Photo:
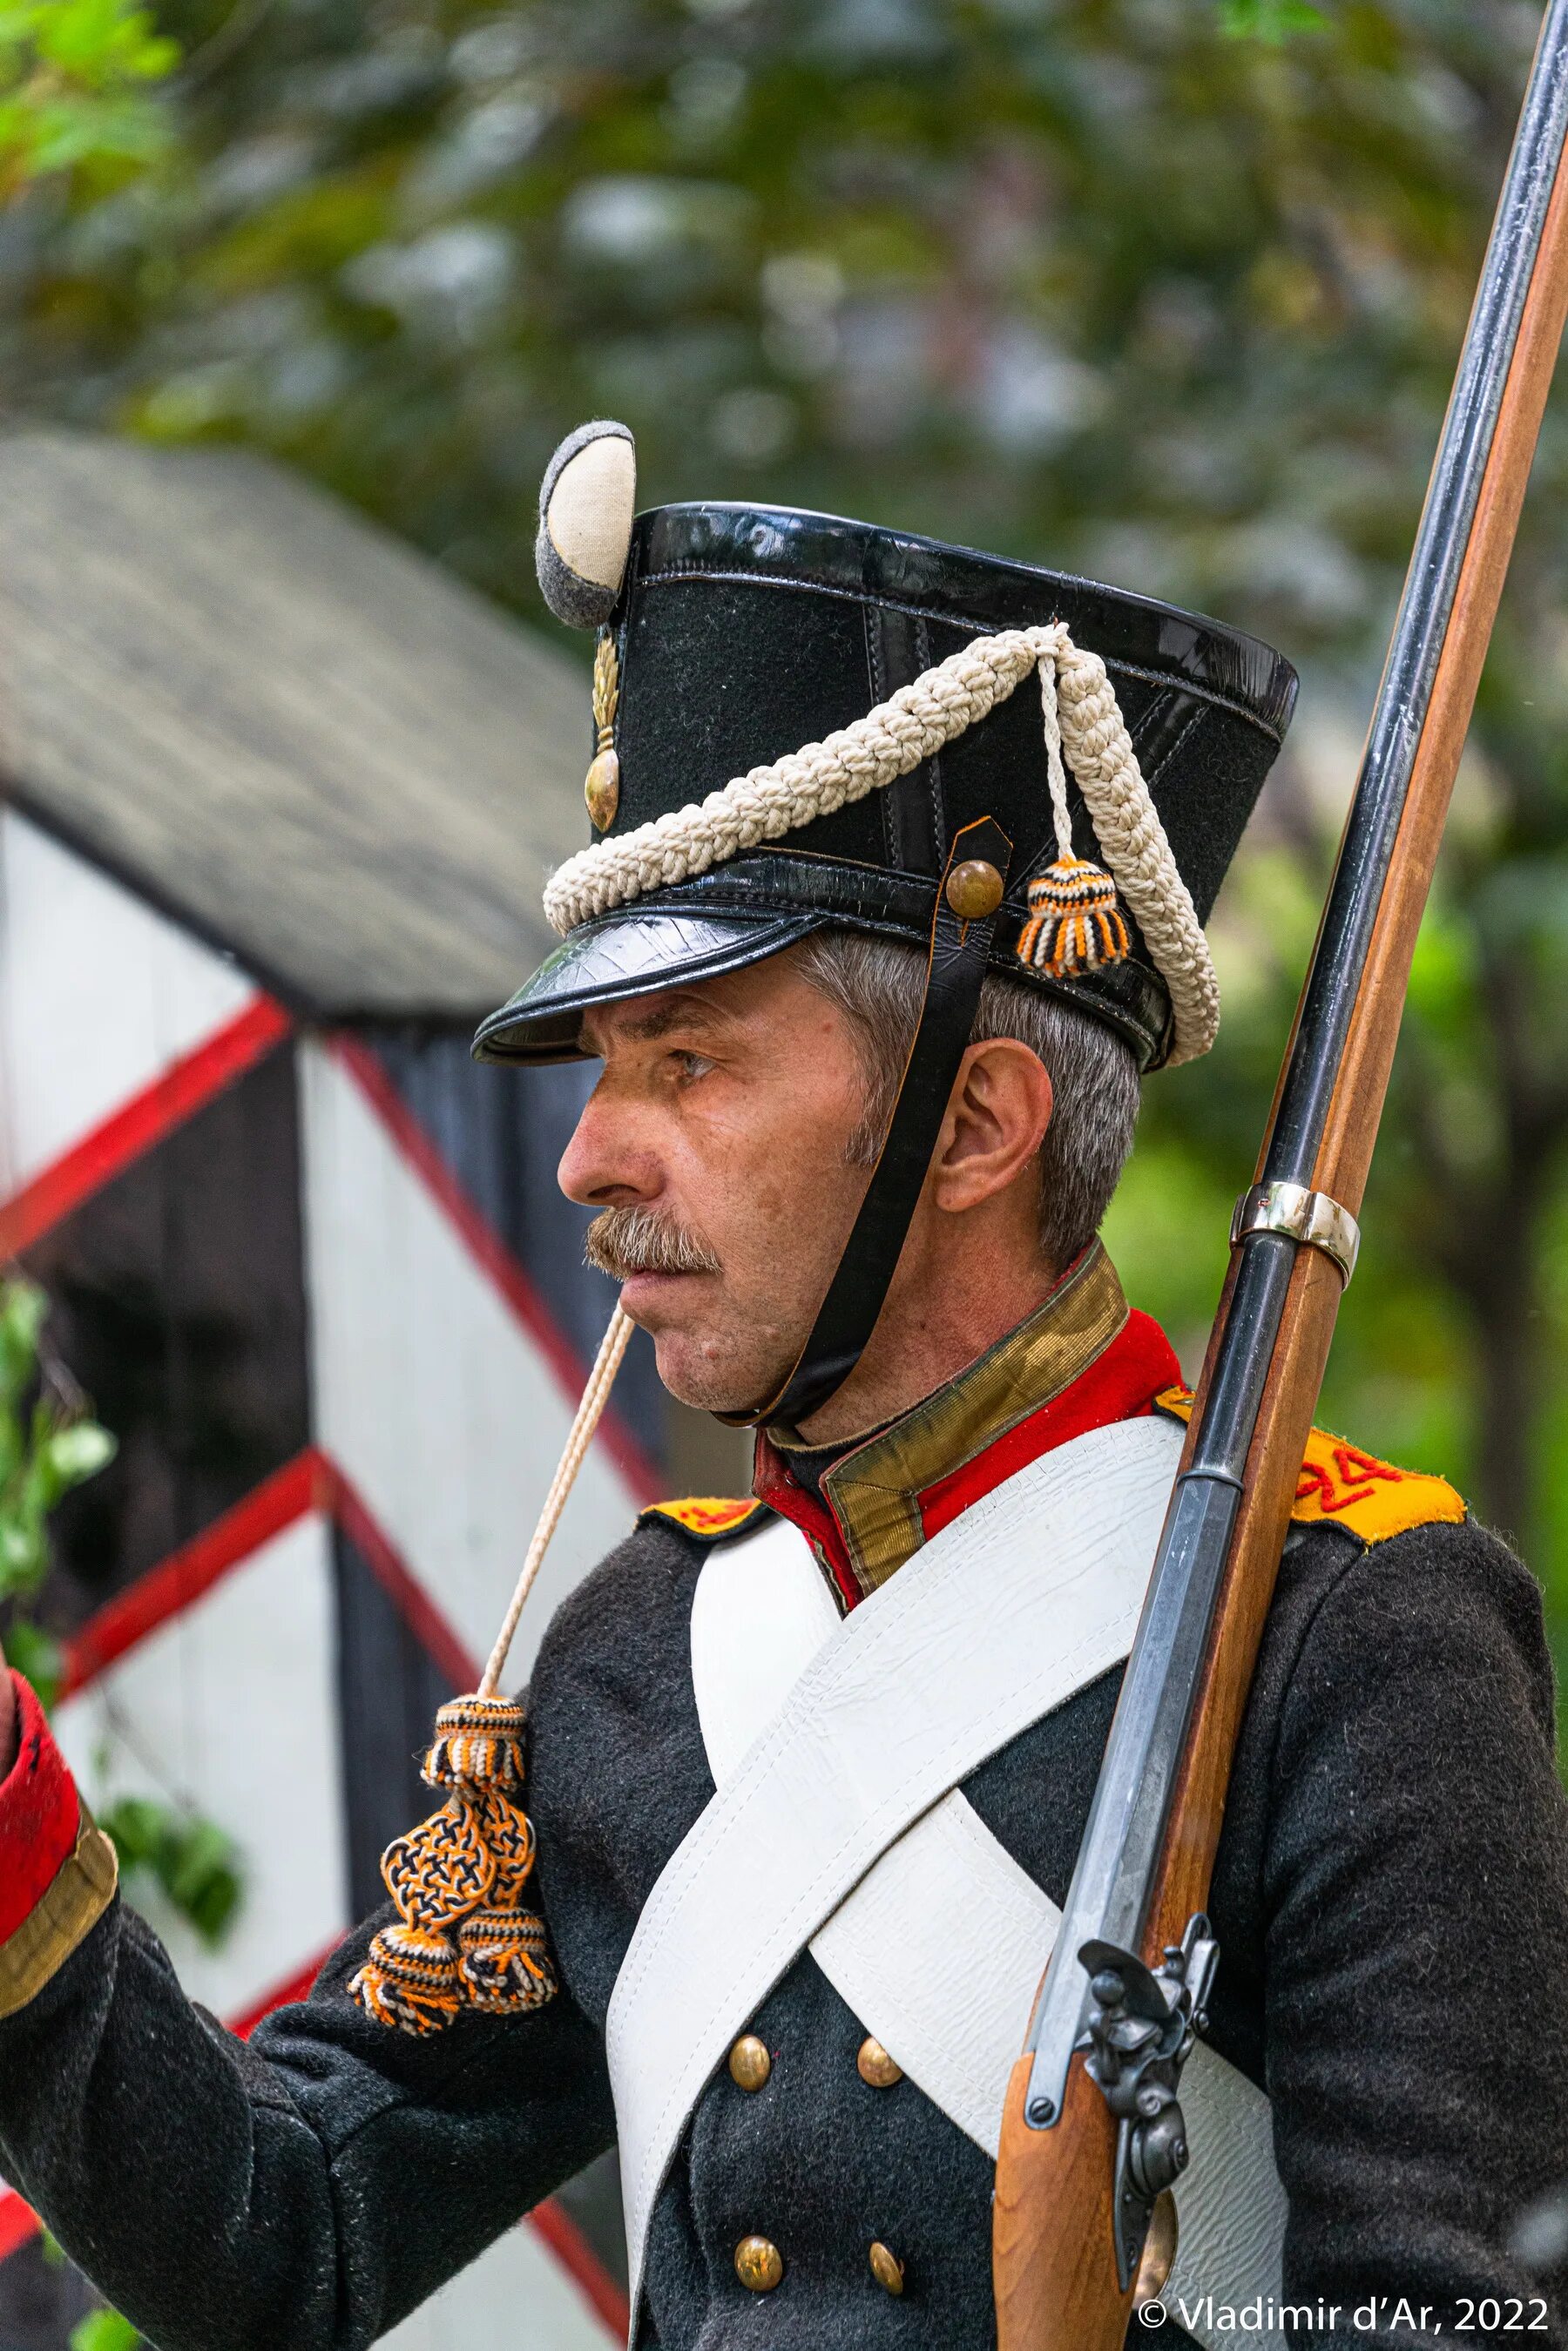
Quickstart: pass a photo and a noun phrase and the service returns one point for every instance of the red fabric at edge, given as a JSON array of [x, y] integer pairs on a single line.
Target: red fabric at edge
[[771, 1483], [40, 1814], [1120, 1384]]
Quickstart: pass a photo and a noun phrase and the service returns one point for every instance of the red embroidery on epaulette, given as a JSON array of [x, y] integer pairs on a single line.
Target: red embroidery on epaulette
[[1357, 1471]]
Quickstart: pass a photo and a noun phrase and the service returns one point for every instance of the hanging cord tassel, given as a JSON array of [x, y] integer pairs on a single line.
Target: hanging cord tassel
[[1075, 921], [462, 1938]]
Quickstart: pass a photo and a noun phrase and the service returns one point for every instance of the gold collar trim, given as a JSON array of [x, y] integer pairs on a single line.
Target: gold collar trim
[[874, 1490]]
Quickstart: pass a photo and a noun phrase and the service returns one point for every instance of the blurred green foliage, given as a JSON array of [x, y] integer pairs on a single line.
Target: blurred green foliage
[[191, 1861], [50, 1443], [74, 77], [1168, 291], [46, 1445], [104, 2330], [1273, 21]]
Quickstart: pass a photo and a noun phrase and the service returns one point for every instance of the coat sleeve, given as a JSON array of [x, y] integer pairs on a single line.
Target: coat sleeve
[[1416, 1934], [307, 2188]]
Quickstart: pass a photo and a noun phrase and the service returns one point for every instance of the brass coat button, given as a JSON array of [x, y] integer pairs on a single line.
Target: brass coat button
[[874, 2065], [749, 2063], [974, 890], [886, 2268], [760, 2265]]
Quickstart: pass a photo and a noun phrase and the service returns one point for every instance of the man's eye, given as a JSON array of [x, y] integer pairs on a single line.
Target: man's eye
[[691, 1065]]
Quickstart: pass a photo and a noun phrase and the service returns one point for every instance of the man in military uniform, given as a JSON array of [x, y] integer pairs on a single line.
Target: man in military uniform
[[873, 973]]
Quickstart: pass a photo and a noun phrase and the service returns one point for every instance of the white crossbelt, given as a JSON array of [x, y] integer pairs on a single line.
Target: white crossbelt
[[940, 1949], [837, 1749]]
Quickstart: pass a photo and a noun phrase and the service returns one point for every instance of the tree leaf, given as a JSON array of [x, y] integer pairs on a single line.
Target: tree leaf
[[79, 1451], [1269, 21], [104, 2330], [136, 1826], [37, 1655]]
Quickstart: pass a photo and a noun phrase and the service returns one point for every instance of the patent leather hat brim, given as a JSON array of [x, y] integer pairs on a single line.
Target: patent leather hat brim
[[756, 906], [637, 951]]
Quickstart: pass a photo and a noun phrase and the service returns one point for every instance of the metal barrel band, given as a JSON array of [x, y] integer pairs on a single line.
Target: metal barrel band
[[1314, 1218]]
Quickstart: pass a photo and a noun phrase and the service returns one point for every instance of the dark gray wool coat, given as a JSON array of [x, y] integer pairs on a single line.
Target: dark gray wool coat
[[1391, 1904]]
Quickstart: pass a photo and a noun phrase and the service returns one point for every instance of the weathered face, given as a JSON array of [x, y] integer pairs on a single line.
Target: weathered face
[[717, 1139]]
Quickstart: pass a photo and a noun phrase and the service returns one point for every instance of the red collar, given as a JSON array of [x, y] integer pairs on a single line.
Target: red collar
[[883, 1498]]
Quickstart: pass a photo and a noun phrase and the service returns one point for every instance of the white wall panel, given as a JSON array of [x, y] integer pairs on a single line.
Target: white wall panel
[[231, 1707], [98, 995], [428, 1392], [516, 2297]]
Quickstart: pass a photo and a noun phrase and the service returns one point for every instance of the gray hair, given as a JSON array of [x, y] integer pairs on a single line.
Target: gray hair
[[876, 985]]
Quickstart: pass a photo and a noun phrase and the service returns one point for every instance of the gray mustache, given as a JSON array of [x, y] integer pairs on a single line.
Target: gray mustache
[[624, 1242]]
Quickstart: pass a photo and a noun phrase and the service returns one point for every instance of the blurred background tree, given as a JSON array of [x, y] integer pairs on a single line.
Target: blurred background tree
[[1164, 290]]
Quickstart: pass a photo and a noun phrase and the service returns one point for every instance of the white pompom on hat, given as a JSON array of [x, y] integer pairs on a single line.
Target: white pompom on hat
[[587, 500]]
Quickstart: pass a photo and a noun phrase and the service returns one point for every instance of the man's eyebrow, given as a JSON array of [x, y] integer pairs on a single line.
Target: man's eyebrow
[[675, 1012]]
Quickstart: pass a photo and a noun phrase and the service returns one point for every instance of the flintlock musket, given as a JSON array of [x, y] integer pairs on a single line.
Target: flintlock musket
[[1077, 2182]]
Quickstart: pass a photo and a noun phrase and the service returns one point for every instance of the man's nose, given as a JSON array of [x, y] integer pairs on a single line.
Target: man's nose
[[607, 1164]]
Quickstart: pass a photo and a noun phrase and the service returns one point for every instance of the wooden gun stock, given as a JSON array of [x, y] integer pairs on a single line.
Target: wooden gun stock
[[1056, 2286], [1054, 2263]]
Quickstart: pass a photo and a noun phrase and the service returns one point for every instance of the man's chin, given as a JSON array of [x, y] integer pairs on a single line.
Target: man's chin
[[710, 1379]]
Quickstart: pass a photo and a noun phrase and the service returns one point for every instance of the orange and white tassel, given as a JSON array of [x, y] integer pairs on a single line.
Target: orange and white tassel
[[1075, 921], [463, 1939]]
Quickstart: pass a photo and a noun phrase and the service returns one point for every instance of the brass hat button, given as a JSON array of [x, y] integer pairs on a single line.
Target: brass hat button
[[759, 2264], [749, 2063], [874, 2064], [974, 890], [602, 789], [886, 2268]]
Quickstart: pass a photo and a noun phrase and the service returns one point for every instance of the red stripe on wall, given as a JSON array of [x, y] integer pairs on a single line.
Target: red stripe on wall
[[304, 1484], [408, 1596], [571, 2249], [141, 1122], [495, 1259], [309, 1482]]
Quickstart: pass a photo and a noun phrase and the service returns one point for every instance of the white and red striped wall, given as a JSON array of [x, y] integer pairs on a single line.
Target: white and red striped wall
[[322, 1287]]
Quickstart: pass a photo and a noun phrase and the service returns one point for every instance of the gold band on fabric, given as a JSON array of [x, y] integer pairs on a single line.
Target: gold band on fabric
[[80, 1893], [876, 1491]]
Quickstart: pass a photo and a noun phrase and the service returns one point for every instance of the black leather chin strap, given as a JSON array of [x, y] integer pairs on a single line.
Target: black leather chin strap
[[955, 966]]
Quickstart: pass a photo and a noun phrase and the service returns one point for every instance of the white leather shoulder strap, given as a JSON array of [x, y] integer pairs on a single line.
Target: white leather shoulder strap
[[909, 1695], [939, 1948], [760, 1612]]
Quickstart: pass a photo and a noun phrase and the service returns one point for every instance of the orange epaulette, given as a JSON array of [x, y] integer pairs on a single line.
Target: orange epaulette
[[1346, 1488], [707, 1518]]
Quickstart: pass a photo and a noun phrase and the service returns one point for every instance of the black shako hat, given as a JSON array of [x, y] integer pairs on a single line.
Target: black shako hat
[[801, 722]]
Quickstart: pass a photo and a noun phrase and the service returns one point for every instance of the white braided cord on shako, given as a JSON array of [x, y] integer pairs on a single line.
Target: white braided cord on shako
[[912, 725]]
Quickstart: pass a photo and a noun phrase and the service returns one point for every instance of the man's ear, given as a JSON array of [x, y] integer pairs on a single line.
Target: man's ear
[[996, 1117]]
